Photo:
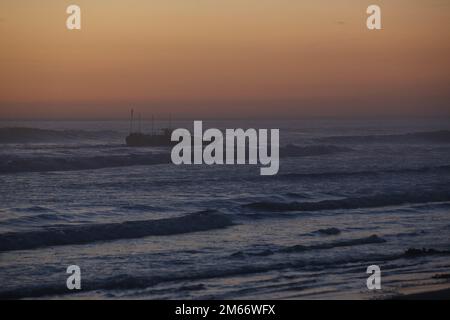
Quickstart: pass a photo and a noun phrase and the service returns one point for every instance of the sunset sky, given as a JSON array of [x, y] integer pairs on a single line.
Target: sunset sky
[[223, 58]]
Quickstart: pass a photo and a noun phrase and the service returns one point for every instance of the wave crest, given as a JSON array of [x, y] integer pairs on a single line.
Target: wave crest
[[81, 234], [373, 239]]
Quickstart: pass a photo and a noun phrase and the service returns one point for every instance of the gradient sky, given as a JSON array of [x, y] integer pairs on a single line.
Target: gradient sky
[[223, 58]]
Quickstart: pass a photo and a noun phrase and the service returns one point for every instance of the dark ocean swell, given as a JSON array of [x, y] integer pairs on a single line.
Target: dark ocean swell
[[13, 164], [381, 200], [292, 150], [445, 169], [82, 234], [35, 135], [440, 136], [47, 164]]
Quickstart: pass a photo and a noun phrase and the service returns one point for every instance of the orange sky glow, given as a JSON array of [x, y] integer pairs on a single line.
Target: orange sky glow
[[223, 58]]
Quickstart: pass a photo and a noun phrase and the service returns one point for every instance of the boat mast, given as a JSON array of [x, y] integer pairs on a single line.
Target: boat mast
[[131, 121], [139, 123]]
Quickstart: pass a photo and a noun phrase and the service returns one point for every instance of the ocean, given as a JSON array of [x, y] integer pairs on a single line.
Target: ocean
[[349, 194]]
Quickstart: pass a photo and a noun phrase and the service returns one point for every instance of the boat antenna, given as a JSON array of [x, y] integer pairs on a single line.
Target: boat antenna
[[131, 121]]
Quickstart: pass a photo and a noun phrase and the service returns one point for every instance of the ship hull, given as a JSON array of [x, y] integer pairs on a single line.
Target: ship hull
[[144, 140]]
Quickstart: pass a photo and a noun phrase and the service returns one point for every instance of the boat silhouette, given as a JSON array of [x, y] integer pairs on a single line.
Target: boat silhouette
[[161, 138]]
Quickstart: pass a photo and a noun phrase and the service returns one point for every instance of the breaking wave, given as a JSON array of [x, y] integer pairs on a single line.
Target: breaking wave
[[441, 136], [374, 239], [381, 200], [33, 209], [416, 253], [81, 234], [362, 173], [39, 218], [292, 150]]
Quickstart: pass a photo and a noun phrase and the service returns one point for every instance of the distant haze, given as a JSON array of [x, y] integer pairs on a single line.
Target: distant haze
[[224, 59]]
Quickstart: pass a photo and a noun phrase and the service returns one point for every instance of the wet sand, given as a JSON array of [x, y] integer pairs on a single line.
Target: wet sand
[[442, 294]]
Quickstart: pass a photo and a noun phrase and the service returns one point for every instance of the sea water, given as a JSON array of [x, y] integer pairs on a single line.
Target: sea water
[[349, 194]]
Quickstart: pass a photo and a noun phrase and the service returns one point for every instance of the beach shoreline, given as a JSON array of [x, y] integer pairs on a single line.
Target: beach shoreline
[[432, 293]]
